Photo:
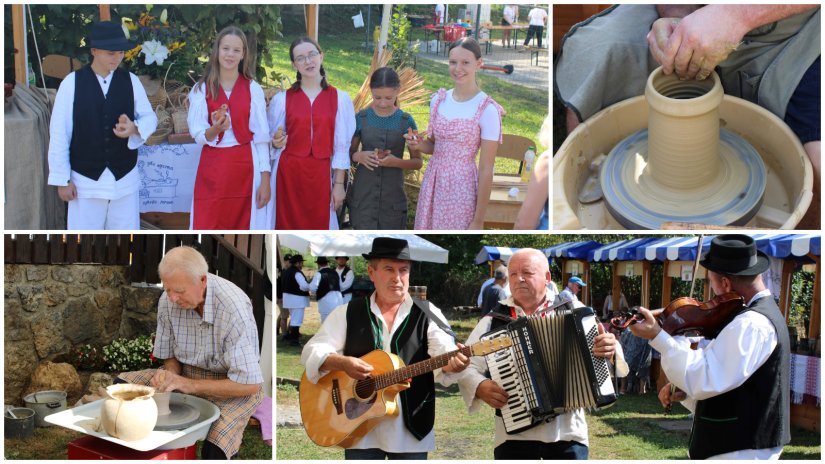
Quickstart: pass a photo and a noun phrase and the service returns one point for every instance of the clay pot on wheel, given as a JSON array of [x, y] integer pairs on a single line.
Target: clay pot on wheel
[[129, 413]]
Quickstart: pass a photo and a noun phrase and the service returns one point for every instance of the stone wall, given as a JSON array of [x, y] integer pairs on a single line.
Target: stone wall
[[49, 309]]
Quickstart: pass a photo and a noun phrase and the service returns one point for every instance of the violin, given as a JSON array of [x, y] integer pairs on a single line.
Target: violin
[[688, 315]]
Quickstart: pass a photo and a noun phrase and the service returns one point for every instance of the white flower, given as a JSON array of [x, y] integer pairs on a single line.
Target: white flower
[[155, 52]]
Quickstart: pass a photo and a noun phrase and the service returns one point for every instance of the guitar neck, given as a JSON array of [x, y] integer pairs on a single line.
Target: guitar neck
[[419, 368]]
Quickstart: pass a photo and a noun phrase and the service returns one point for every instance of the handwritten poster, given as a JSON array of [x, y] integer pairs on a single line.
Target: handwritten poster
[[167, 177]]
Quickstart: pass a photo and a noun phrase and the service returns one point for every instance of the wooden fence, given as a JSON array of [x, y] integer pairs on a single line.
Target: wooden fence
[[239, 258]]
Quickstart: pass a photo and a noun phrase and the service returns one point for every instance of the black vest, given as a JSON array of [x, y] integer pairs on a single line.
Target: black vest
[[409, 344], [756, 415], [329, 283], [343, 276], [94, 145], [290, 284]]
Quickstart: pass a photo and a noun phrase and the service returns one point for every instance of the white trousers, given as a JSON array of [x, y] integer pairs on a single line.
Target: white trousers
[[100, 214], [296, 317]]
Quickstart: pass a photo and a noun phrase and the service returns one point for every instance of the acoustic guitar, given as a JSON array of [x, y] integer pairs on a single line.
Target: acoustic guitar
[[340, 410]]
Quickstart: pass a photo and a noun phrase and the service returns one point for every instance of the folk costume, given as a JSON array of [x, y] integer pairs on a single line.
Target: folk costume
[[83, 148], [327, 287], [229, 172], [347, 276], [376, 197], [447, 199], [319, 136]]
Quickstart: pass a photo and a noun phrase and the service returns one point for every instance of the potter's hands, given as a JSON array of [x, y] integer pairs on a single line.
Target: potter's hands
[[457, 363], [491, 393], [166, 381], [67, 192], [693, 46], [649, 328], [604, 345]]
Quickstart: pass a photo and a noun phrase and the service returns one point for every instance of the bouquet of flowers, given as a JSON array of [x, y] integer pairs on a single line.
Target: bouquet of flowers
[[159, 45]]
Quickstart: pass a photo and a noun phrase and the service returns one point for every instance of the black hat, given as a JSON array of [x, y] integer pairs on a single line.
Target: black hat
[[341, 256], [107, 35], [287, 257], [735, 255], [321, 261], [390, 248], [296, 259]]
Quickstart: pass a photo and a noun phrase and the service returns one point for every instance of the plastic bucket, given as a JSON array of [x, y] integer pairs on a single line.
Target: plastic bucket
[[18, 422], [44, 403]]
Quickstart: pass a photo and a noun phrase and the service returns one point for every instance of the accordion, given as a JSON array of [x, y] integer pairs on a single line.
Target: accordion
[[550, 369]]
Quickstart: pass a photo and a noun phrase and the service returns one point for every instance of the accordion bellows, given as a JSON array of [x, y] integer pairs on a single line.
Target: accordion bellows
[[550, 369]]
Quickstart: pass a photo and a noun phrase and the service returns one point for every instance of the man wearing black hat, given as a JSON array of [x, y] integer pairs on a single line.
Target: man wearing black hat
[[392, 321], [738, 385], [346, 275], [296, 298], [327, 288], [283, 314], [101, 116]]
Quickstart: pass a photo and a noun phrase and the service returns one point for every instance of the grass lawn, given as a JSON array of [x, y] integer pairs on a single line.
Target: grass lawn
[[630, 429]]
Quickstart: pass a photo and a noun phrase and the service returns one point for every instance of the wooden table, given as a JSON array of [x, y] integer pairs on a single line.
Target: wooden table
[[437, 31], [513, 27], [502, 208]]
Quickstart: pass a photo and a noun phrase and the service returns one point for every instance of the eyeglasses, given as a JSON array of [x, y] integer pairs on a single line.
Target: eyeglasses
[[303, 59]]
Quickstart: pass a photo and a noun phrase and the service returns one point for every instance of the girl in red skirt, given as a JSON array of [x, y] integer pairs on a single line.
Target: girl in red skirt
[[227, 115], [312, 125]]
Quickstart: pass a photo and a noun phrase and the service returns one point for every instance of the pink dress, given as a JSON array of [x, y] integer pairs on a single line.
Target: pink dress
[[447, 199]]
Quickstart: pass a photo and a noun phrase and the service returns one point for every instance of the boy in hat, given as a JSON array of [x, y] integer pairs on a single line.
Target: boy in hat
[[392, 321], [327, 287], [101, 116], [346, 275], [296, 298], [283, 314], [738, 385]]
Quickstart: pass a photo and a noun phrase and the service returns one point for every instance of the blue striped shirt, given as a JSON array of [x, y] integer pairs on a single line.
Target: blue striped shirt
[[224, 341]]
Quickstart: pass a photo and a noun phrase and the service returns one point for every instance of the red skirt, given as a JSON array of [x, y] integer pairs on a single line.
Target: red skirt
[[223, 188], [302, 193]]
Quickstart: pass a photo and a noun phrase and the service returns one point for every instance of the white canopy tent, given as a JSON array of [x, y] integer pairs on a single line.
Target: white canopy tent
[[339, 244]]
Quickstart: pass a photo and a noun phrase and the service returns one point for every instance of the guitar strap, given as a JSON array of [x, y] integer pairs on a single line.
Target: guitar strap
[[424, 306]]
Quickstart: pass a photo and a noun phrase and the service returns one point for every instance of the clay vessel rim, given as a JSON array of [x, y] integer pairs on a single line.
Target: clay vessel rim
[[709, 101], [142, 392]]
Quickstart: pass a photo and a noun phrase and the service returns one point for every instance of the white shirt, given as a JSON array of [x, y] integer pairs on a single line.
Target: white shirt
[[389, 435], [724, 364], [349, 279], [60, 134], [490, 122], [439, 11], [331, 300], [297, 301], [342, 139], [509, 14], [569, 426], [537, 17], [198, 121]]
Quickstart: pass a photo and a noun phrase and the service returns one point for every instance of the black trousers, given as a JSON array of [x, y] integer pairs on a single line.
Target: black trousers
[[529, 449], [538, 31]]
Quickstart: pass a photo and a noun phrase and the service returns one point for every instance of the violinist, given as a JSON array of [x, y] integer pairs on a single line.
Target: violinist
[[737, 385]]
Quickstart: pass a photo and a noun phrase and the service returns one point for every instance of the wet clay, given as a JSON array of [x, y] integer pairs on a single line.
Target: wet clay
[[788, 184]]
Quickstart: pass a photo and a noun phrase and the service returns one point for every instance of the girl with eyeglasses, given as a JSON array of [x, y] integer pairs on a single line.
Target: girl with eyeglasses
[[227, 116], [311, 125], [464, 121]]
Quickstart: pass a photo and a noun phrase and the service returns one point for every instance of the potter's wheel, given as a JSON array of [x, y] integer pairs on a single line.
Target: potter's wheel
[[181, 416], [732, 195]]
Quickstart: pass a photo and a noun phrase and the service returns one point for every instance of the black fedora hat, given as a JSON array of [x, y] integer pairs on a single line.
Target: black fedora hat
[[107, 35], [296, 259], [321, 261], [735, 255], [390, 248]]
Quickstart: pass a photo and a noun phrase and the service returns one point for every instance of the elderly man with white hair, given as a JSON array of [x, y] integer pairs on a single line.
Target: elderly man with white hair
[[208, 341], [565, 436]]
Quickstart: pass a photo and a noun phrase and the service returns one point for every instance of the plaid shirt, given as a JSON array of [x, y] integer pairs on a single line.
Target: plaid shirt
[[225, 341]]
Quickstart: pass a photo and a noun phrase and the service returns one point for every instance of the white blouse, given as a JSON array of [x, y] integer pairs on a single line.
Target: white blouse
[[489, 122]]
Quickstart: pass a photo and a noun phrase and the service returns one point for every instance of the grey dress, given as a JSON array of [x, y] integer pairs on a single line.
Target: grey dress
[[376, 198]]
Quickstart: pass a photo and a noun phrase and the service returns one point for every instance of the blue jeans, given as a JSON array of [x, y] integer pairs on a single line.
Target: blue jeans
[[528, 449], [375, 453]]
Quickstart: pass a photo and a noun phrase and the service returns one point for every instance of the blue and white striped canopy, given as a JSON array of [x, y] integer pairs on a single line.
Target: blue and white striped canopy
[[775, 245], [788, 245], [673, 249], [623, 250], [492, 253], [571, 250]]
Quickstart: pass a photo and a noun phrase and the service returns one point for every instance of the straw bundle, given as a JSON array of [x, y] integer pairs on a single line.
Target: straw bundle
[[412, 85]]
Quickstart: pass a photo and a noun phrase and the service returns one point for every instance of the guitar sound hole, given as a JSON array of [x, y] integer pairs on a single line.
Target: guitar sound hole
[[364, 389]]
